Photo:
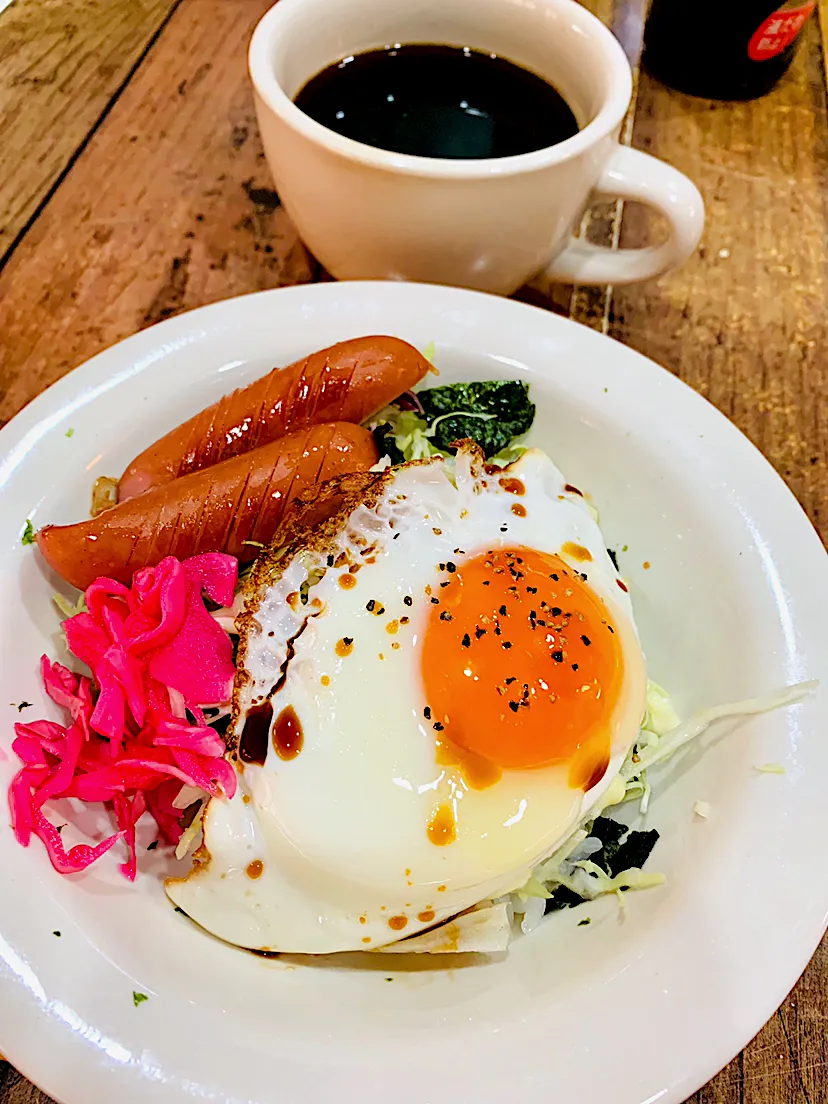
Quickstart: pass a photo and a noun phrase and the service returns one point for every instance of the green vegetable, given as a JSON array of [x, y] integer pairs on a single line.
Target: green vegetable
[[622, 849], [492, 413], [67, 608], [28, 533], [139, 998], [429, 352], [70, 432]]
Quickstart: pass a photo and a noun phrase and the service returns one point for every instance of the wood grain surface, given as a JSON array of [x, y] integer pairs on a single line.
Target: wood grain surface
[[160, 200], [62, 66]]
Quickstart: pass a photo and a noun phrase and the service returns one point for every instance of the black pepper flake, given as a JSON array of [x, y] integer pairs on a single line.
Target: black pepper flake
[[437, 726], [531, 590], [459, 552], [509, 681], [574, 666], [503, 529], [497, 630], [586, 640], [408, 600], [445, 584], [330, 561], [445, 616], [502, 611], [370, 605], [435, 601], [554, 577], [506, 644], [466, 641], [541, 622], [396, 535], [611, 629], [442, 566], [556, 611], [487, 582], [478, 632], [513, 706], [557, 656], [347, 641], [380, 611], [404, 620], [450, 567], [152, 846], [427, 712]]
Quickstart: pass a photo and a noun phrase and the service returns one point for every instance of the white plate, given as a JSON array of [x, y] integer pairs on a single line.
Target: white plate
[[632, 1010]]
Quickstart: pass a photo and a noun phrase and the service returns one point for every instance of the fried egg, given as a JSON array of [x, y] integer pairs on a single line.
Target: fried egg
[[439, 675]]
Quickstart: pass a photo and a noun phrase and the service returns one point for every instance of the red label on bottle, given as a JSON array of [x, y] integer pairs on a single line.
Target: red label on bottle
[[778, 31]]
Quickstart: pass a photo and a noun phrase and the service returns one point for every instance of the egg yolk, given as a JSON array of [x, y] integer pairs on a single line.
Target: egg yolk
[[521, 663]]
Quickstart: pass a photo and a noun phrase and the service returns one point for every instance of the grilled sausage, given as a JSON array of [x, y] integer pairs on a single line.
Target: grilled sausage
[[348, 382], [219, 509]]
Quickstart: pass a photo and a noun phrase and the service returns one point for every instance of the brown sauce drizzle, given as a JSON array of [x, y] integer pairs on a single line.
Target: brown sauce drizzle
[[573, 490], [287, 735], [576, 552], [255, 869], [442, 827], [253, 742], [512, 485]]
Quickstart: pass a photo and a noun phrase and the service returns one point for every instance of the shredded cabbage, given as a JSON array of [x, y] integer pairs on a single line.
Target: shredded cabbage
[[660, 738]]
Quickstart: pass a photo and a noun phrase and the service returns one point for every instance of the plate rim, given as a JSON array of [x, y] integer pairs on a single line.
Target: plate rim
[[79, 387]]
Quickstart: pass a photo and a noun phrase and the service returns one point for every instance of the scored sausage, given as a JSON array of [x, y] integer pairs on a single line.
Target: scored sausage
[[219, 509], [348, 382]]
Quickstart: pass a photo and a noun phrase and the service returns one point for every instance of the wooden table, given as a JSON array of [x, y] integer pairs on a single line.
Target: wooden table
[[133, 186]]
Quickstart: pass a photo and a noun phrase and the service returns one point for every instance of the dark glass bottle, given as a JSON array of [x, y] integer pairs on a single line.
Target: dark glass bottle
[[727, 50]]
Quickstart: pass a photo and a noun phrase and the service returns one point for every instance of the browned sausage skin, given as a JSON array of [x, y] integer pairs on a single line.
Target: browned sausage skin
[[219, 509], [348, 382]]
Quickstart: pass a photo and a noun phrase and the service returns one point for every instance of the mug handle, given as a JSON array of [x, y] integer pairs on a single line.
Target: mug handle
[[631, 174]]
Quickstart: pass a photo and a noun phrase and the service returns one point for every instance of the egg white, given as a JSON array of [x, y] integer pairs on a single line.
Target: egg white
[[339, 832]]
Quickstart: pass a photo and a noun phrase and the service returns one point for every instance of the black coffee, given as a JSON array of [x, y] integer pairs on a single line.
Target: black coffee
[[438, 101]]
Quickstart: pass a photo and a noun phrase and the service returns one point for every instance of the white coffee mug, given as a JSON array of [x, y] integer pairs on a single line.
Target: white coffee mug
[[491, 224]]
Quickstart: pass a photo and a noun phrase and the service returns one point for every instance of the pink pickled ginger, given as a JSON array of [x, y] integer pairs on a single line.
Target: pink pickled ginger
[[136, 732]]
